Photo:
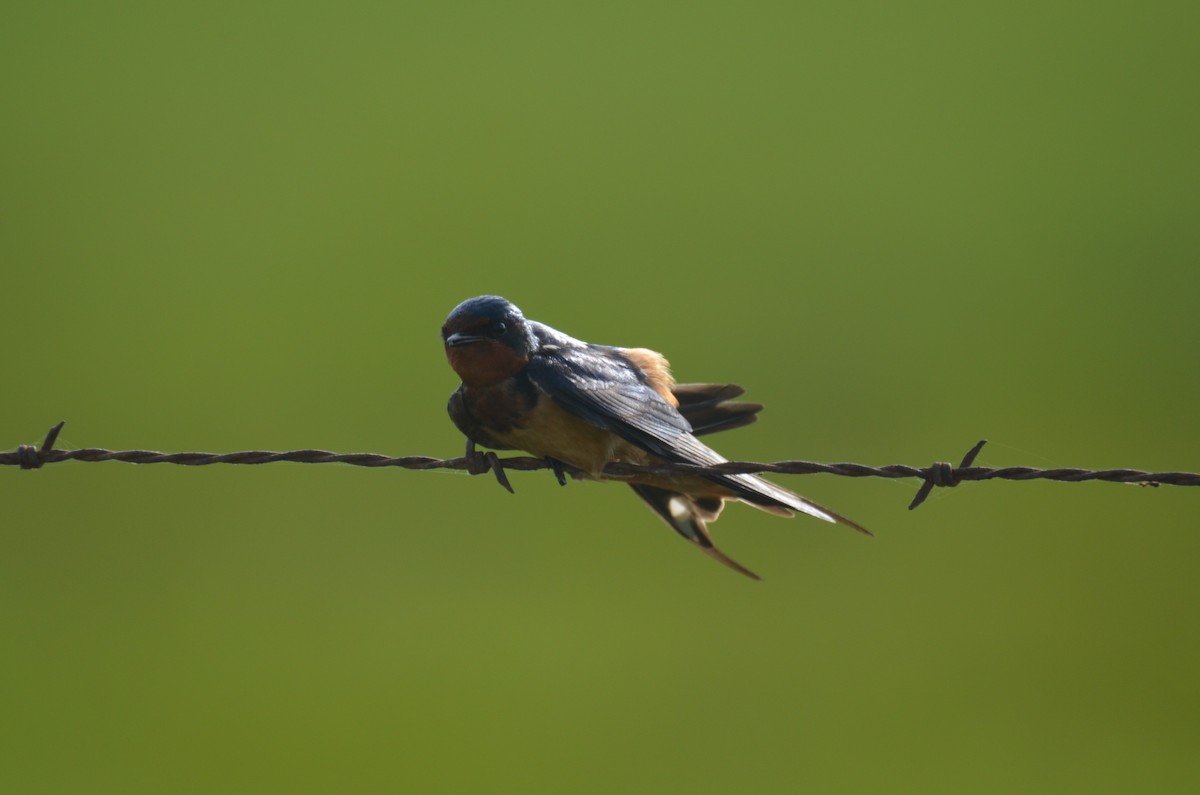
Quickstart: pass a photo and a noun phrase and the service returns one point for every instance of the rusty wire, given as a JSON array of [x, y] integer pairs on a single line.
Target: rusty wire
[[939, 474]]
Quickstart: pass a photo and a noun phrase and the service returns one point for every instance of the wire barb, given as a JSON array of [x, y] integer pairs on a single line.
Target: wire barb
[[939, 474], [942, 474], [30, 457]]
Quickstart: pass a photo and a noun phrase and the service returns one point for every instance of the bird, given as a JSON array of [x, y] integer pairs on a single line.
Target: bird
[[527, 386]]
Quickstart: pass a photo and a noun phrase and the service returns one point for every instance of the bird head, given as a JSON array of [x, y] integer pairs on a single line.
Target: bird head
[[487, 340]]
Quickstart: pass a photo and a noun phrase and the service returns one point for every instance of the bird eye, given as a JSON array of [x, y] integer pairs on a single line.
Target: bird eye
[[498, 329]]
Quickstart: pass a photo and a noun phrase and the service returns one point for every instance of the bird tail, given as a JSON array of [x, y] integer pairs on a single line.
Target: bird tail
[[710, 408], [766, 496], [688, 516]]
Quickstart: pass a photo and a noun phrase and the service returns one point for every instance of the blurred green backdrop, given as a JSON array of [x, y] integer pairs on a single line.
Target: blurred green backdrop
[[902, 226]]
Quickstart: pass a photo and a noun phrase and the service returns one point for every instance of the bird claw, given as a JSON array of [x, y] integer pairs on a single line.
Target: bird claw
[[478, 463], [559, 471]]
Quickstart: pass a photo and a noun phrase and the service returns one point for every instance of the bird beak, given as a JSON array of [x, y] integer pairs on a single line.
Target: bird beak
[[462, 338]]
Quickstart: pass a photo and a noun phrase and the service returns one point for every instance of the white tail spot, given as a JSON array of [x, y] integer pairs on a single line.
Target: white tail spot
[[679, 508]]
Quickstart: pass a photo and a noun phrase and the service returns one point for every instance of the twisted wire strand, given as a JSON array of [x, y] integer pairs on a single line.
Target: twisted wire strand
[[940, 474]]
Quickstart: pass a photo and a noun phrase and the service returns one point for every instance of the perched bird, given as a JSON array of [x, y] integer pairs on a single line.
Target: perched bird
[[526, 386]]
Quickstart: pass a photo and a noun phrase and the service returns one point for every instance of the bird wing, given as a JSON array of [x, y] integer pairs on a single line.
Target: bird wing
[[602, 387], [466, 422]]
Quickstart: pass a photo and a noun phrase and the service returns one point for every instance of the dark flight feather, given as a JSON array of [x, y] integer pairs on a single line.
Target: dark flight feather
[[709, 408]]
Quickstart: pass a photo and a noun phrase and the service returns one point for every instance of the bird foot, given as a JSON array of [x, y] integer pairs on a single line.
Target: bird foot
[[479, 462], [559, 471]]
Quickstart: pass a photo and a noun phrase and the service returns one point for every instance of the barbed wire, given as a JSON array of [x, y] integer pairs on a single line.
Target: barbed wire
[[940, 473]]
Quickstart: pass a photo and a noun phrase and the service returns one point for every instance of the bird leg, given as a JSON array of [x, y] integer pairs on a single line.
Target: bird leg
[[478, 463]]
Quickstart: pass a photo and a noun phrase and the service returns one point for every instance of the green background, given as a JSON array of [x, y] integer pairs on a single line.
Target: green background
[[903, 226]]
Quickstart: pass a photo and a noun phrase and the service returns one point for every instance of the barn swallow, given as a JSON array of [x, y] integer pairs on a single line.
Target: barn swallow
[[526, 386]]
